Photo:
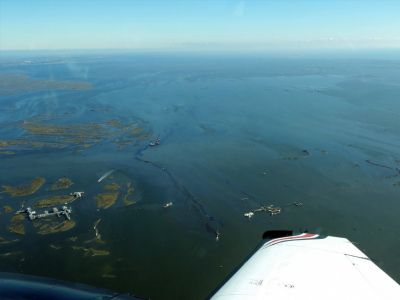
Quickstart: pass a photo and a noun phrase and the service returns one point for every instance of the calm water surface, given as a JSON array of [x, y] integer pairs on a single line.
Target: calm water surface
[[236, 133]]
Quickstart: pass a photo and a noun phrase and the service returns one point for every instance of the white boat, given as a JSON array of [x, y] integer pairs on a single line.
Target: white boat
[[155, 143]]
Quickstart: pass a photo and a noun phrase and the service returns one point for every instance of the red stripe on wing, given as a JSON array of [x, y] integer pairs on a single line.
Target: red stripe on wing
[[303, 236]]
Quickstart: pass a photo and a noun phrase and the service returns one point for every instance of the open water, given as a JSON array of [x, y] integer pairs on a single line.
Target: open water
[[237, 132]]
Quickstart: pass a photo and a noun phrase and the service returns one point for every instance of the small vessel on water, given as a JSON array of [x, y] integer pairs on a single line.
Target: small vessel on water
[[249, 214], [77, 194], [28, 211], [166, 205], [155, 143]]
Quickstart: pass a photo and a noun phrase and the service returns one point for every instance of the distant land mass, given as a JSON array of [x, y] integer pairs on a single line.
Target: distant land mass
[[20, 83]]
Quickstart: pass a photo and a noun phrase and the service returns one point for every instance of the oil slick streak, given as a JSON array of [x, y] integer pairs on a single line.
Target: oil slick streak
[[210, 223]]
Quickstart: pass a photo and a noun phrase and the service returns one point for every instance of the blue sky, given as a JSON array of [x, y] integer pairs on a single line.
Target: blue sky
[[211, 25]]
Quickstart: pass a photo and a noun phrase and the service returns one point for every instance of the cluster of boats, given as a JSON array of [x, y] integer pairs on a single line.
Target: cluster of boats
[[63, 211], [155, 143], [33, 215], [270, 208]]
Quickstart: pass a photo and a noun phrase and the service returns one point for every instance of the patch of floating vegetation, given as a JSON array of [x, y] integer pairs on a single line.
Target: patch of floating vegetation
[[54, 201], [4, 241], [129, 192], [114, 123], [72, 239], [7, 152], [91, 251], [20, 83], [25, 189], [136, 131], [97, 240], [6, 144], [45, 227], [7, 209], [123, 143], [144, 137], [11, 253], [9, 146], [61, 183], [17, 228], [74, 133], [112, 187], [16, 225], [17, 218], [55, 247], [41, 133], [106, 200]]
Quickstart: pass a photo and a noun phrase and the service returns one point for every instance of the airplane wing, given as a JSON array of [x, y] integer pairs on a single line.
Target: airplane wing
[[308, 266]]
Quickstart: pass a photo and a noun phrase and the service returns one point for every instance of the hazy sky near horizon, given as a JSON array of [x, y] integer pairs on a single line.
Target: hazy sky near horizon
[[197, 25]]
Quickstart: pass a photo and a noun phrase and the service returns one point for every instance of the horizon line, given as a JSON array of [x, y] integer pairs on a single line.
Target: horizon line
[[189, 49]]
